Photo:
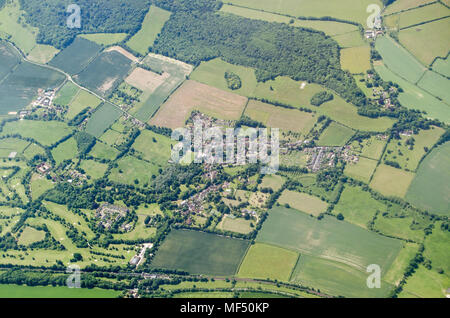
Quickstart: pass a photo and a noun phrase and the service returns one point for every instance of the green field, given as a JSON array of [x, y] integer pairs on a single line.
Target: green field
[[436, 247], [30, 235], [398, 268], [200, 253], [437, 85], [81, 101], [10, 58], [238, 225], [390, 181], [356, 59], [102, 119], [398, 60], [272, 181], [103, 151], [64, 151], [357, 206], [335, 135], [429, 189], [303, 202], [42, 53], [105, 39], [44, 132], [335, 278], [93, 168], [329, 27], [288, 91], [151, 27], [425, 284], [213, 73], [279, 117], [329, 238], [349, 40], [21, 33], [398, 227], [442, 66], [415, 98], [427, 41], [105, 72], [362, 170], [153, 147], [39, 185], [9, 145], [400, 152], [76, 56], [343, 9], [400, 5], [264, 261], [371, 148], [139, 232], [419, 15], [21, 86], [22, 291], [65, 94], [130, 169]]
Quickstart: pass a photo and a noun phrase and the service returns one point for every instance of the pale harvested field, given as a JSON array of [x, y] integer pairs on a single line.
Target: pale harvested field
[[123, 52], [146, 81], [196, 96]]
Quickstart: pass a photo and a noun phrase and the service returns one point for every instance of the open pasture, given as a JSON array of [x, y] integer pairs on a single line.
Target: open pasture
[[430, 188], [427, 41], [65, 151], [238, 225], [42, 53], [303, 202], [437, 85], [401, 5], [200, 253], [103, 151], [66, 94], [9, 145], [105, 73], [279, 117], [328, 27], [30, 235], [196, 96], [390, 181], [442, 66], [399, 60], [153, 147], [414, 97], [80, 102], [264, 261], [23, 291], [39, 185], [356, 59], [371, 148], [272, 181], [44, 132], [299, 94], [213, 73], [131, 169], [150, 28], [10, 58], [425, 283], [139, 232], [420, 15], [361, 170], [102, 119], [357, 206], [436, 247], [328, 238], [93, 168], [335, 135], [398, 227], [407, 158], [344, 9], [335, 278], [76, 56]]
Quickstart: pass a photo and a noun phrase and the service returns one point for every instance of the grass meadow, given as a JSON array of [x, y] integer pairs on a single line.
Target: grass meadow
[[390, 181]]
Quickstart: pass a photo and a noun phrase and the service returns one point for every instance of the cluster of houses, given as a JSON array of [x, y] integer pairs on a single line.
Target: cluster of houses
[[45, 98], [138, 259], [109, 214]]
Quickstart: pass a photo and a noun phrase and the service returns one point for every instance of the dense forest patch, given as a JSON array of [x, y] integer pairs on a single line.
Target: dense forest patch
[[97, 16]]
